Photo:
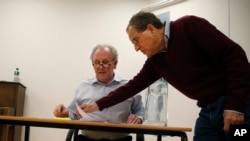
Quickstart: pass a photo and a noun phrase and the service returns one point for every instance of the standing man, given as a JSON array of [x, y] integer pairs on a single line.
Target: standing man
[[199, 61], [104, 59]]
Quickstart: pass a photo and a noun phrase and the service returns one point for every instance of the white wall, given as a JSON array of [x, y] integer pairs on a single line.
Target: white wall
[[240, 23], [50, 41]]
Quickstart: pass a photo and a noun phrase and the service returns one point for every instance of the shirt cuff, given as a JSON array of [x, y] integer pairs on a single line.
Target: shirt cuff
[[233, 111]]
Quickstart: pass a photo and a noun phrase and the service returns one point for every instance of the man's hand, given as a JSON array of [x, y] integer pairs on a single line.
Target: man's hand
[[134, 119], [232, 118], [61, 111], [87, 108]]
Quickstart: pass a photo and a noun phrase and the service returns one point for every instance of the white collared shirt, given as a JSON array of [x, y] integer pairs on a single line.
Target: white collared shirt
[[91, 90]]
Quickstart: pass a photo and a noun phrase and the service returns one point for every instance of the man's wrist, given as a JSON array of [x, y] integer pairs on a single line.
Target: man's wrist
[[141, 119]]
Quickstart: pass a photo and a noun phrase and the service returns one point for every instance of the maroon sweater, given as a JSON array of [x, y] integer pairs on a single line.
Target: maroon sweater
[[200, 61]]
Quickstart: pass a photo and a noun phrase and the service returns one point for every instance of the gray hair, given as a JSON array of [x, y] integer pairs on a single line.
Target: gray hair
[[141, 19], [112, 49]]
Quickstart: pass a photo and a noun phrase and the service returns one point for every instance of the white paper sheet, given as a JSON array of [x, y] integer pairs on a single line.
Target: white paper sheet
[[84, 115]]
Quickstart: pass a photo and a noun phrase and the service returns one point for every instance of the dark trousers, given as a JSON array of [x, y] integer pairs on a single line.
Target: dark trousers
[[84, 138], [210, 123]]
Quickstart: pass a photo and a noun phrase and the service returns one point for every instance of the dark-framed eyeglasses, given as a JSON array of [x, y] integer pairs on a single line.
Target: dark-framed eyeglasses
[[136, 40], [104, 64]]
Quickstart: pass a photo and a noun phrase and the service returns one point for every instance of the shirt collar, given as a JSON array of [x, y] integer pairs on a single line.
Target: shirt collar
[[167, 29], [116, 79], [167, 34]]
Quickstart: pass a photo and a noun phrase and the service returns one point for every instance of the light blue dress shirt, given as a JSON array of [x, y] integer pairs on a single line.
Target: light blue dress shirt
[[91, 90]]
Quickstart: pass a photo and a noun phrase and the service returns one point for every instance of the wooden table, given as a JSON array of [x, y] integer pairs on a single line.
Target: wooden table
[[99, 126]]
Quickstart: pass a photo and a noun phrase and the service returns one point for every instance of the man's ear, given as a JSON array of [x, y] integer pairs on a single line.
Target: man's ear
[[150, 28], [115, 63]]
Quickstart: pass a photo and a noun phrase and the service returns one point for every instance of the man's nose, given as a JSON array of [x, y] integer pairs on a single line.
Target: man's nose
[[137, 48]]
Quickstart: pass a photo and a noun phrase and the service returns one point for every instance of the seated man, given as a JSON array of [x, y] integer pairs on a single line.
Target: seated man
[[104, 60]]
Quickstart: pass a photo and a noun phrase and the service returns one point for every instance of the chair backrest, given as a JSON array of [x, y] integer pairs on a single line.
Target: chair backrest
[[72, 135], [156, 103]]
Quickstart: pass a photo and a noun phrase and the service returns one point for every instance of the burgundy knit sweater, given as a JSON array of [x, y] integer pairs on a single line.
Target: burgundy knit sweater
[[200, 61]]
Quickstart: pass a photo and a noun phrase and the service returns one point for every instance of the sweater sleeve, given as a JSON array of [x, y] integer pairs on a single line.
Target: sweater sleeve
[[143, 79]]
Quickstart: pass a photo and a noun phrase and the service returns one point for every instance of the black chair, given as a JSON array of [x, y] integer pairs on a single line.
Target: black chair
[[72, 134]]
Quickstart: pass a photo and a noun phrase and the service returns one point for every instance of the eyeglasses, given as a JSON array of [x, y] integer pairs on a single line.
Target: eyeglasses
[[135, 41], [104, 64]]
